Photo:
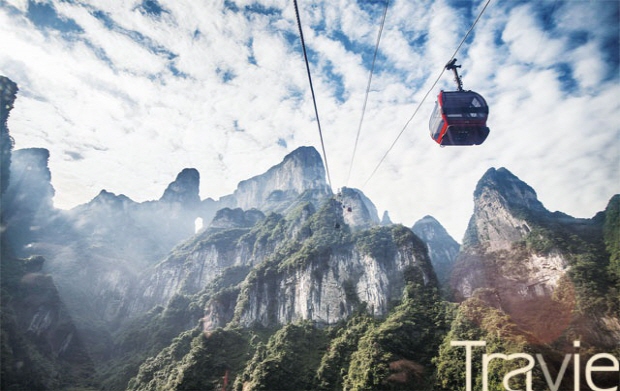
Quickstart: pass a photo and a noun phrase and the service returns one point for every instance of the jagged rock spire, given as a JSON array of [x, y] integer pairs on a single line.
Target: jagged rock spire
[[185, 188], [442, 248], [301, 171], [385, 220], [514, 193], [503, 205]]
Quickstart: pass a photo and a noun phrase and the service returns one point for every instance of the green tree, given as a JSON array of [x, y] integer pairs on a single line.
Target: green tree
[[289, 361]]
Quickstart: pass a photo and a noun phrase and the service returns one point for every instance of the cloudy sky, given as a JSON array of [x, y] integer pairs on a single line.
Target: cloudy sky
[[125, 94]]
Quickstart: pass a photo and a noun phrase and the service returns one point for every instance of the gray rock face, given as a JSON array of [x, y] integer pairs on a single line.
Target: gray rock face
[[328, 289], [301, 172], [323, 292], [184, 189], [502, 205], [442, 248], [359, 211], [505, 212], [39, 327], [516, 258], [197, 262], [305, 265]]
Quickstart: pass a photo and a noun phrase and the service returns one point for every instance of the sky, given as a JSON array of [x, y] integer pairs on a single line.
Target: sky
[[125, 94]]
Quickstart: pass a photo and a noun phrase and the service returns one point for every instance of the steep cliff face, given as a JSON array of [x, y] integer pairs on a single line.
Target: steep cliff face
[[194, 264], [503, 205], [442, 248], [41, 348], [301, 172], [359, 211], [505, 211], [306, 265], [325, 272], [329, 288], [528, 262]]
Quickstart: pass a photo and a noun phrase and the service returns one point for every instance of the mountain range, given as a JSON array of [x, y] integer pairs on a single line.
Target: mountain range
[[290, 286]]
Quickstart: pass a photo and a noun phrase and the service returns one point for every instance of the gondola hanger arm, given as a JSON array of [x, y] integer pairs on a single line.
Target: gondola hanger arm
[[457, 79]]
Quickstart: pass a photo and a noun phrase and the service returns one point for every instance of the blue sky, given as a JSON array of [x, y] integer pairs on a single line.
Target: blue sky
[[127, 94]]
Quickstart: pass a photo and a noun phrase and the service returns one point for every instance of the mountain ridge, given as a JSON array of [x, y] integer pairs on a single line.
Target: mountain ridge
[[522, 256], [288, 283], [506, 213]]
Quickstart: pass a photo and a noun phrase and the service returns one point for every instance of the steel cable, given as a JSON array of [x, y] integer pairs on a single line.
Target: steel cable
[[372, 68], [427, 93], [316, 110]]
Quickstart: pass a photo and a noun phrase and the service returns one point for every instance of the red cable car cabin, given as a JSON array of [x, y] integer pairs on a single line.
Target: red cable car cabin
[[459, 118]]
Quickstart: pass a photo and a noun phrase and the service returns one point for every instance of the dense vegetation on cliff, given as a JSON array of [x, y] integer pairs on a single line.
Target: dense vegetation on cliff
[[361, 353]]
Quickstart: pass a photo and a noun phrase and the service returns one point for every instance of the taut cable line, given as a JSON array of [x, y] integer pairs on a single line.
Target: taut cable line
[[316, 110], [427, 93], [372, 68]]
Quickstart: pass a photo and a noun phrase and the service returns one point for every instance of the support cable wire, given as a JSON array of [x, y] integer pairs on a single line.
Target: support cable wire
[[427, 93], [316, 110], [372, 68]]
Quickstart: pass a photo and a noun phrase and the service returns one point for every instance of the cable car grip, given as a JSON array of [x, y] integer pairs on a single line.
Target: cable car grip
[[457, 79]]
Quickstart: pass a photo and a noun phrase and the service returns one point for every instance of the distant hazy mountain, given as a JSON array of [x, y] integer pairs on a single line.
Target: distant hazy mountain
[[442, 248]]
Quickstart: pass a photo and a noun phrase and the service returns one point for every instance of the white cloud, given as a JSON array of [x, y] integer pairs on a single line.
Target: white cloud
[[588, 67], [114, 111], [526, 39]]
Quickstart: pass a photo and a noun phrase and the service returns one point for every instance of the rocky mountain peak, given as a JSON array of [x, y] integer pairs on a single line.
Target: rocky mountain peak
[[514, 193], [307, 156], [184, 189], [385, 220], [110, 199], [300, 172], [442, 248], [520, 258], [428, 228], [503, 205], [359, 211]]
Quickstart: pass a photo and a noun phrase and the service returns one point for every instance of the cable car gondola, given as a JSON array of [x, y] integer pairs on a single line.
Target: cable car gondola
[[459, 117]]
